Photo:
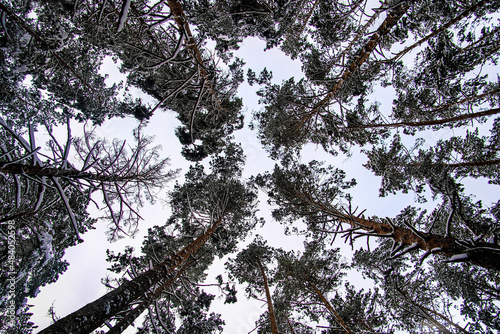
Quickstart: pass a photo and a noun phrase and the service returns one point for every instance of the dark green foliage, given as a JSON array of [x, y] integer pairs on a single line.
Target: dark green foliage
[[436, 60], [285, 185]]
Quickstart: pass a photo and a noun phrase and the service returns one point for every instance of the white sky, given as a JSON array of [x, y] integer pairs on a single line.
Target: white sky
[[80, 284]]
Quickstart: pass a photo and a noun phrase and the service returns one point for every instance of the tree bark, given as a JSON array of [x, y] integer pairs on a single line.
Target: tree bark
[[130, 317], [303, 17], [290, 325], [389, 22], [94, 314], [17, 168], [442, 28], [359, 34], [272, 316], [431, 122], [330, 308], [483, 254], [192, 46]]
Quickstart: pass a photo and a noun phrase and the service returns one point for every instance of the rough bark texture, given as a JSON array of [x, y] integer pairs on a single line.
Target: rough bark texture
[[192, 46], [94, 314], [484, 254], [130, 317], [389, 22], [272, 316], [431, 122], [330, 308], [442, 28], [359, 34], [58, 172]]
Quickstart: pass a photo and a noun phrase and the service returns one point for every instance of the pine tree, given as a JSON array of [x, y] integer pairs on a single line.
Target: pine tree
[[214, 211], [250, 266], [105, 167], [309, 192], [306, 279]]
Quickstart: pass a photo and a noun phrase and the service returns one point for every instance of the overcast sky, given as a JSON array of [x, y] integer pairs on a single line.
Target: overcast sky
[[80, 284]]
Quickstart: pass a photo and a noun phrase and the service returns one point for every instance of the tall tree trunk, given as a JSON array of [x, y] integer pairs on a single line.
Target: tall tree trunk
[[130, 317], [390, 21], [290, 325], [94, 314], [330, 308], [483, 254], [431, 122], [17, 168], [442, 28], [272, 316], [303, 16], [359, 34], [192, 46]]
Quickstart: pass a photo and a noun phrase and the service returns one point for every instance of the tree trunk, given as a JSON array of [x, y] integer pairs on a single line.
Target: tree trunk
[[272, 316], [303, 18], [290, 325], [330, 308], [390, 21], [16, 168], [431, 122], [359, 34], [442, 28], [192, 46], [484, 254], [94, 314], [130, 317]]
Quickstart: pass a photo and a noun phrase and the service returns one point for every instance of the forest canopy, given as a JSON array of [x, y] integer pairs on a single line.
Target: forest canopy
[[407, 91]]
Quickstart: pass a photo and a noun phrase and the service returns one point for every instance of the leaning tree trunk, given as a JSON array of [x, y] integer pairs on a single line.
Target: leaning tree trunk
[[430, 122], [16, 168], [390, 21], [94, 314], [130, 317], [330, 308], [192, 46], [483, 254], [290, 326], [272, 316]]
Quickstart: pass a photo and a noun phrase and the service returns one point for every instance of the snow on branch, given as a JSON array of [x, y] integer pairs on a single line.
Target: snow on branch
[[125, 181]]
